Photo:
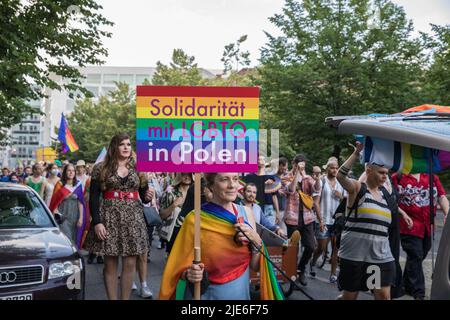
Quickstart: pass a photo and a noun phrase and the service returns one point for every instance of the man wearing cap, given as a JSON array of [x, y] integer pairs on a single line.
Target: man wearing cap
[[81, 173]]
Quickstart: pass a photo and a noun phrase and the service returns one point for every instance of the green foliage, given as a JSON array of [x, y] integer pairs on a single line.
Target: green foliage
[[41, 38], [93, 124], [182, 71], [437, 80], [233, 54], [329, 61]]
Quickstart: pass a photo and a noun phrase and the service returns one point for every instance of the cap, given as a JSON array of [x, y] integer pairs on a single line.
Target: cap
[[81, 163]]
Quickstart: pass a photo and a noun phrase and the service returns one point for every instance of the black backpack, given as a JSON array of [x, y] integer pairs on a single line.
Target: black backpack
[[394, 229]]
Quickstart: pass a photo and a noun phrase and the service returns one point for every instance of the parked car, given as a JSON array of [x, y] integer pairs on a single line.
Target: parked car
[[37, 261]]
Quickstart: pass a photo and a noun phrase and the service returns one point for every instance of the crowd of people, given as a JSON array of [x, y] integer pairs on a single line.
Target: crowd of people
[[363, 220]]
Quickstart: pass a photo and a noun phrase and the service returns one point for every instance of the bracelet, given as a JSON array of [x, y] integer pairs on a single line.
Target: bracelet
[[255, 249]]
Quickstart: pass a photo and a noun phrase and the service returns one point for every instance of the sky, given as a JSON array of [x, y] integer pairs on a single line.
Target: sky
[[147, 31]]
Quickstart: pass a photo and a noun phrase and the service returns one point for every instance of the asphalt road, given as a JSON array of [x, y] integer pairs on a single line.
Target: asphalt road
[[319, 288]]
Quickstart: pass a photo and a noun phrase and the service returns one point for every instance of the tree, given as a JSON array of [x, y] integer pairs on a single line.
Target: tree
[[437, 81], [40, 38], [93, 124], [233, 54], [182, 71], [330, 61]]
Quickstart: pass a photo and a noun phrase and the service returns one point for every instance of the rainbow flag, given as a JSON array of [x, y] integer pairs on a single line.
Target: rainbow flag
[[101, 156], [66, 138], [223, 258], [61, 192], [403, 157]]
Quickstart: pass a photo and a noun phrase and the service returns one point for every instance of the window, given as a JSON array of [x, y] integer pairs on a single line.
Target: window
[[109, 78], [141, 77], [22, 209], [127, 78], [93, 78]]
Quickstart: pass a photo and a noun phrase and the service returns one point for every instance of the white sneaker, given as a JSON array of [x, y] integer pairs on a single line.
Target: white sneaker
[[134, 287], [333, 278], [146, 293]]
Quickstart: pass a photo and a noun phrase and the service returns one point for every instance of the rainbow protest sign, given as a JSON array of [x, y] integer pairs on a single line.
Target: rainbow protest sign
[[197, 129]]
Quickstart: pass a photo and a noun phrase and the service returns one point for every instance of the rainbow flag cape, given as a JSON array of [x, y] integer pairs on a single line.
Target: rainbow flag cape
[[66, 138], [224, 259], [403, 157], [60, 192]]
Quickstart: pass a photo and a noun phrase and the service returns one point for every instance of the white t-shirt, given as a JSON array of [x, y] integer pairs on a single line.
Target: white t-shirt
[[328, 202]]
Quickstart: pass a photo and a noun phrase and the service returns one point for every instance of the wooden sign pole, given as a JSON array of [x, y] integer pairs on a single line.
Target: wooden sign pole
[[197, 249]]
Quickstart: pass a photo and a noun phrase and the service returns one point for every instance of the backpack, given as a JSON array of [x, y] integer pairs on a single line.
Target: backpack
[[394, 229]]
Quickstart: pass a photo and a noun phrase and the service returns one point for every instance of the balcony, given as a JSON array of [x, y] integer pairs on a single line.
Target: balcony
[[26, 143], [25, 132]]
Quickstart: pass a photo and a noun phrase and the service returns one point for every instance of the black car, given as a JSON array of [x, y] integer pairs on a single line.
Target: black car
[[37, 261]]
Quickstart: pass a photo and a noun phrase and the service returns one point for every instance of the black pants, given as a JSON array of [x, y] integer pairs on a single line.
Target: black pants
[[308, 241], [416, 250]]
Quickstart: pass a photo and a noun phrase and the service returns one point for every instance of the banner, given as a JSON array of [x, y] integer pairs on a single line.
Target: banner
[[197, 129], [47, 154]]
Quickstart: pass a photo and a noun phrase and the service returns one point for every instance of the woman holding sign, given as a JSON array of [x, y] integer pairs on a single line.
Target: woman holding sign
[[120, 228], [226, 252]]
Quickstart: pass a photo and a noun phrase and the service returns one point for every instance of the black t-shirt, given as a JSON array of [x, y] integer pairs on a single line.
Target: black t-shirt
[[259, 181]]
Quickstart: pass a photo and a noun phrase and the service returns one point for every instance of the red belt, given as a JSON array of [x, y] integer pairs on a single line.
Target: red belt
[[121, 195]]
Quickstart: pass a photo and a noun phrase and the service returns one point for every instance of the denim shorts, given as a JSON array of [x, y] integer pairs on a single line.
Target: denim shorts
[[327, 233]]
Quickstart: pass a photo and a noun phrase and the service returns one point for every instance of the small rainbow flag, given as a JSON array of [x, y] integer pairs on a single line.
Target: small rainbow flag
[[66, 138], [101, 156]]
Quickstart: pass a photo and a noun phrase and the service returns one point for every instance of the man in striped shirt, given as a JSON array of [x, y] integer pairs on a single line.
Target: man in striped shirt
[[366, 260]]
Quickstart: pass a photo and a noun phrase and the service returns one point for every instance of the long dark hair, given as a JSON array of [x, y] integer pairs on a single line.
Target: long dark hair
[[110, 164], [64, 175]]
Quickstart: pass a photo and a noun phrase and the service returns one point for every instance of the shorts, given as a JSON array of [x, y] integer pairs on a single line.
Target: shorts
[[356, 275], [327, 233]]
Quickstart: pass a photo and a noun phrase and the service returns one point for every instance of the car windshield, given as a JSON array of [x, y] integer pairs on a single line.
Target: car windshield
[[22, 209]]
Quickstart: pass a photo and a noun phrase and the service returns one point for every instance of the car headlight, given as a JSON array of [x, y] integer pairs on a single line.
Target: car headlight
[[63, 269]]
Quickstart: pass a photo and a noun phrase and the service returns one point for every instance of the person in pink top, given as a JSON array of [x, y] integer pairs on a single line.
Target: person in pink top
[[299, 215]]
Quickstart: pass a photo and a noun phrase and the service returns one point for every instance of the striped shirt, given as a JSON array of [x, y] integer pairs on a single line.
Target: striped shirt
[[366, 236]]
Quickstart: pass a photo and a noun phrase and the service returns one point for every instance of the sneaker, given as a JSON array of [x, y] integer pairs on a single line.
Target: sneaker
[[312, 271], [146, 293], [302, 279], [100, 260], [333, 278], [134, 286], [160, 245]]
